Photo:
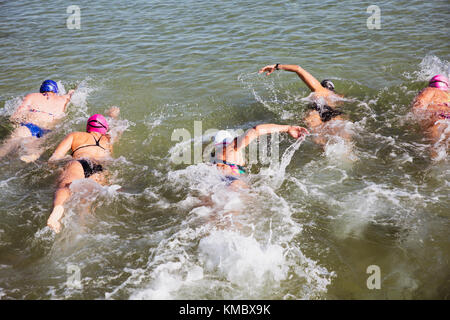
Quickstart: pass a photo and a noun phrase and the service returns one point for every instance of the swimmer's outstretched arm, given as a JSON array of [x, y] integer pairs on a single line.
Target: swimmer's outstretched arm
[[312, 83], [294, 131], [68, 96], [114, 112], [62, 149]]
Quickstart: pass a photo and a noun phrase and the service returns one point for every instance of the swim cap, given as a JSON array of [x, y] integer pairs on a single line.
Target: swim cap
[[49, 86], [328, 84], [439, 81], [223, 137], [97, 123]]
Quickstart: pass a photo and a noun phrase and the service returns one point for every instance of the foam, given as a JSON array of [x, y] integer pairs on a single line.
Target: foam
[[242, 260], [431, 66], [10, 106], [249, 258]]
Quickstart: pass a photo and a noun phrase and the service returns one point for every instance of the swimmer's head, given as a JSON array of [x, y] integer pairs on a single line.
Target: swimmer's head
[[49, 86], [97, 123], [223, 137], [328, 84], [439, 81]]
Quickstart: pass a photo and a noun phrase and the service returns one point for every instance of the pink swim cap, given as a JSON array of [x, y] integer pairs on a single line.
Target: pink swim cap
[[439, 81], [97, 123]]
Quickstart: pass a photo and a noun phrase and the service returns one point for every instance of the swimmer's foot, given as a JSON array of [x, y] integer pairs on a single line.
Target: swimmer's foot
[[53, 220], [29, 158]]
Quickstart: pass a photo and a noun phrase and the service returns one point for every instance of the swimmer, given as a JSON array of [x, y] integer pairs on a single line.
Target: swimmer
[[432, 109], [322, 118], [228, 154], [89, 149], [35, 117]]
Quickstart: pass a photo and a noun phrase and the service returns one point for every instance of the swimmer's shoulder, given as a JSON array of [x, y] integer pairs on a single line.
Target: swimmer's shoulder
[[32, 97], [429, 92], [429, 95], [327, 93], [79, 135], [330, 98], [322, 93], [62, 98]]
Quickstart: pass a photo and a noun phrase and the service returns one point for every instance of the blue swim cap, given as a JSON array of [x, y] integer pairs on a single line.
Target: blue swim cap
[[49, 86]]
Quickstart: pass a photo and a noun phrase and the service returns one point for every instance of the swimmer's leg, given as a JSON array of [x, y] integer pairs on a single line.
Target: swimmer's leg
[[14, 140], [230, 219], [73, 171], [9, 146], [238, 184], [206, 201], [33, 149], [439, 134], [437, 152], [320, 140], [100, 178]]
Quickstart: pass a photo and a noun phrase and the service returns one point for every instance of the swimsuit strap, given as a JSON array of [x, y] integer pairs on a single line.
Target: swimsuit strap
[[35, 110], [240, 168], [97, 144], [234, 167]]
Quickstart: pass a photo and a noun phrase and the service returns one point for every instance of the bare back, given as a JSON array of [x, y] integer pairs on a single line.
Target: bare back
[[430, 104], [41, 109], [230, 154], [84, 145]]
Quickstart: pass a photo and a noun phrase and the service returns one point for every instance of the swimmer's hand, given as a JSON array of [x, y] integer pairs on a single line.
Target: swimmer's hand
[[297, 132], [68, 96], [269, 69], [113, 112], [55, 216]]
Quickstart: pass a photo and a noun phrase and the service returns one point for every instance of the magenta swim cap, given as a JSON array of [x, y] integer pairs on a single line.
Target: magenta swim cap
[[97, 123], [439, 81]]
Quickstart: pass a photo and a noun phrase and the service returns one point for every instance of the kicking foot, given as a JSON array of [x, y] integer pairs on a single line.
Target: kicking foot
[[29, 158]]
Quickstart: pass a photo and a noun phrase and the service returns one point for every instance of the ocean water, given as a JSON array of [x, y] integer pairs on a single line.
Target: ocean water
[[311, 223]]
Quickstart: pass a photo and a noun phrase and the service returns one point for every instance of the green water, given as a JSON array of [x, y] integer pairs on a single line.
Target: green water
[[308, 232]]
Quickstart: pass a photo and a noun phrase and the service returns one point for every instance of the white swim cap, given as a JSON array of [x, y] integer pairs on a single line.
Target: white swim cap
[[223, 136]]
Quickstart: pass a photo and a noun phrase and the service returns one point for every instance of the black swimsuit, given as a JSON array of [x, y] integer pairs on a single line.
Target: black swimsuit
[[90, 167], [326, 112]]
